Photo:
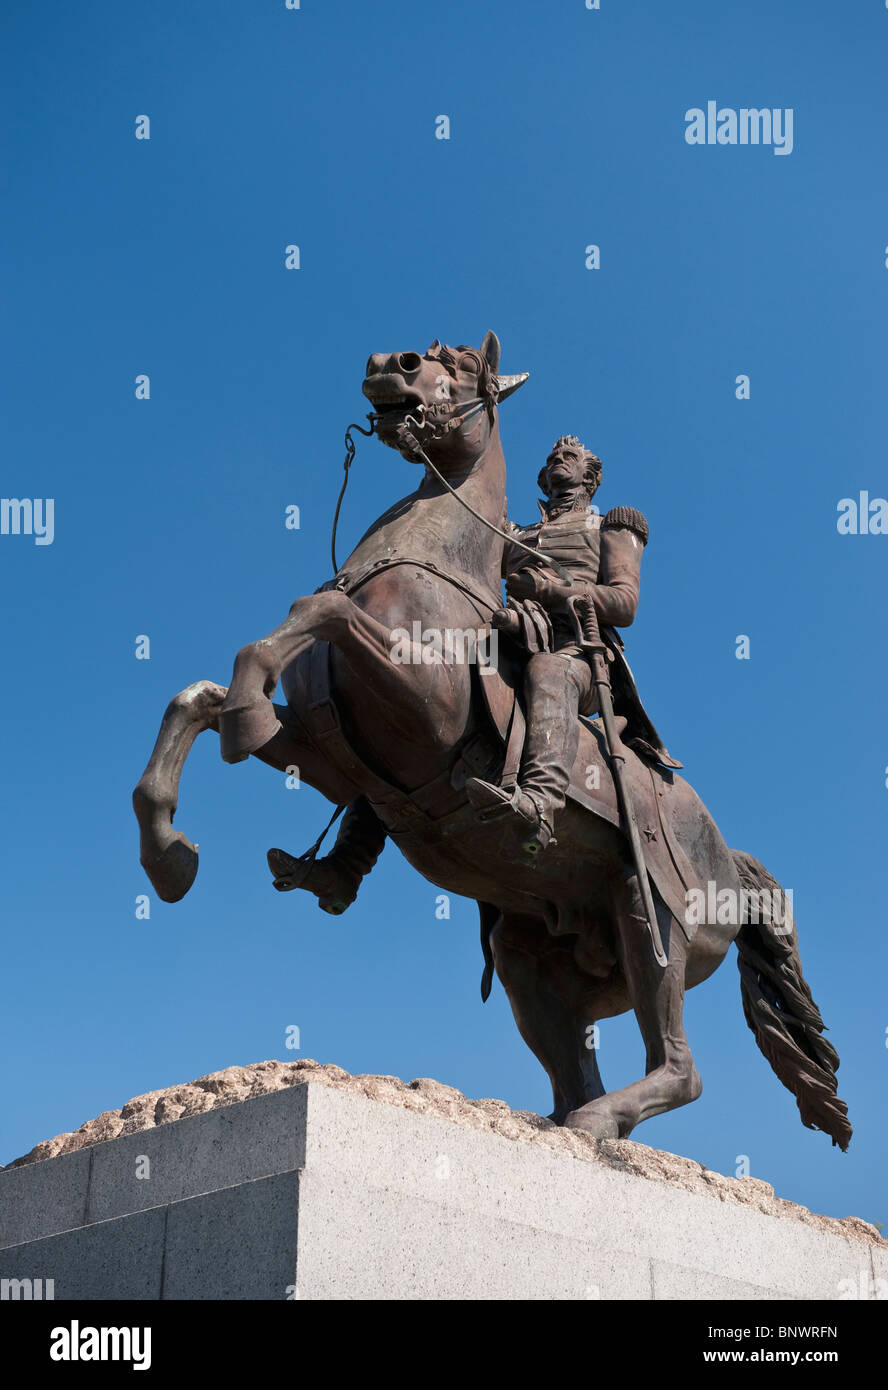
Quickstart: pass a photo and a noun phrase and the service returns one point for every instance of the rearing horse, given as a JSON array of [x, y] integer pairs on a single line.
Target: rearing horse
[[404, 734]]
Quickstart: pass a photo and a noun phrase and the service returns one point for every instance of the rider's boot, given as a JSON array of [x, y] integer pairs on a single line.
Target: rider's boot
[[492, 802], [336, 878], [554, 684]]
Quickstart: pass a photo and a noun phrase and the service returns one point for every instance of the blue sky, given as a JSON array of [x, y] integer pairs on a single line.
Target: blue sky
[[316, 127]]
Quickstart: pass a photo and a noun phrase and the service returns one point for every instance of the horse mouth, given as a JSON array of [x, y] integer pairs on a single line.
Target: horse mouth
[[389, 396], [389, 416], [393, 405]]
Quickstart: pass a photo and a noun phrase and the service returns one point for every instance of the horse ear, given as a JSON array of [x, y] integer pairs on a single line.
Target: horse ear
[[491, 350], [432, 346]]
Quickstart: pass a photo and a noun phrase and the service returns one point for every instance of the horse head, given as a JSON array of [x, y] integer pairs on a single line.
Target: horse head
[[444, 399]]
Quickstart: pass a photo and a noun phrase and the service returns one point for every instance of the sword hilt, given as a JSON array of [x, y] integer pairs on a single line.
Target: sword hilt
[[586, 619]]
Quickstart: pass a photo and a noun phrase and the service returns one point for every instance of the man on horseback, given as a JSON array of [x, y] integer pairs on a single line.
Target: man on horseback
[[603, 558]]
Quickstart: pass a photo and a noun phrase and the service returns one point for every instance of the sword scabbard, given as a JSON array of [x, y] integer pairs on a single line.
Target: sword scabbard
[[586, 618]]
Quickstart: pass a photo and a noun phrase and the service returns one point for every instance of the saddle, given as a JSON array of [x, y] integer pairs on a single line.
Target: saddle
[[440, 810]]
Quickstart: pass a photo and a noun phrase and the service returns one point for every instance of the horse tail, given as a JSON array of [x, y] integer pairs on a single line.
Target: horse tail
[[778, 1006]]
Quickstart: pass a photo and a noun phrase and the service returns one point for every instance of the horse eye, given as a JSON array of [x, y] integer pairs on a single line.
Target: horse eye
[[469, 362]]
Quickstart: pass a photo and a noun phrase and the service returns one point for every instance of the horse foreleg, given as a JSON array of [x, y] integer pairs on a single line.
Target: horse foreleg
[[247, 718], [657, 996], [167, 856]]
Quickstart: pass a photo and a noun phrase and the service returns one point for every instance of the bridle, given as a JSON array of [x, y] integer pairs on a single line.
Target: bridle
[[438, 427]]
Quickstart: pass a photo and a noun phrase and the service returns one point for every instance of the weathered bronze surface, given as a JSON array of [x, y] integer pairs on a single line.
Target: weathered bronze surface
[[580, 843]]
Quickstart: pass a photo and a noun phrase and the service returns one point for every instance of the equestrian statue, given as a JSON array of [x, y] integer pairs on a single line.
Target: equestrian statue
[[528, 776]]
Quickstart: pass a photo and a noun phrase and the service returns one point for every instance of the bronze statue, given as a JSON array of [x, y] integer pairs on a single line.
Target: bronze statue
[[574, 932]]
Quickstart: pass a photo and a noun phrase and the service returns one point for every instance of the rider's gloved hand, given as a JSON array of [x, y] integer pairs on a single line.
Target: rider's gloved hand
[[530, 582]]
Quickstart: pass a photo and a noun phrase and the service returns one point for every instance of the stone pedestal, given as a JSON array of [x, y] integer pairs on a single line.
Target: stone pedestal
[[319, 1191]]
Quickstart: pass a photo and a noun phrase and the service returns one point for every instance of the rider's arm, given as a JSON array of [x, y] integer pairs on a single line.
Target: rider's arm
[[624, 534]]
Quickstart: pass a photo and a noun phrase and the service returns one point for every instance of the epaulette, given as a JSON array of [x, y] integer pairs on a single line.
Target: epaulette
[[628, 516]]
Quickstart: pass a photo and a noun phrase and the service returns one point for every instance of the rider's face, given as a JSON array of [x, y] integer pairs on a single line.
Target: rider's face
[[564, 470]]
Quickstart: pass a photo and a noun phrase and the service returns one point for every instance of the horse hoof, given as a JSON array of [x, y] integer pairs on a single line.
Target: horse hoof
[[174, 871], [598, 1123], [242, 731]]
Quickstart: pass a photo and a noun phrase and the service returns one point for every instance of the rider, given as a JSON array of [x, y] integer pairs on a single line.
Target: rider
[[603, 558]]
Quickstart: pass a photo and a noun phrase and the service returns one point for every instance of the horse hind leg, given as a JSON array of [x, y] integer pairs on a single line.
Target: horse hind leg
[[550, 1001], [657, 996], [168, 857]]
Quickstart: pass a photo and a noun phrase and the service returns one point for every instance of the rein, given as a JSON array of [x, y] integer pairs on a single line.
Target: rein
[[407, 440], [550, 560], [349, 460]]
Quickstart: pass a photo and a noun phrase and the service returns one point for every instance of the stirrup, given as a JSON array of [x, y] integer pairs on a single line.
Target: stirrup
[[543, 836]]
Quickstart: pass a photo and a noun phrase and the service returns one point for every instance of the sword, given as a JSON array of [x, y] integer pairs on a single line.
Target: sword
[[583, 610]]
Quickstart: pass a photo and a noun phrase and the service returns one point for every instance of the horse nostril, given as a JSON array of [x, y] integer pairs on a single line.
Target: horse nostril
[[409, 361]]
